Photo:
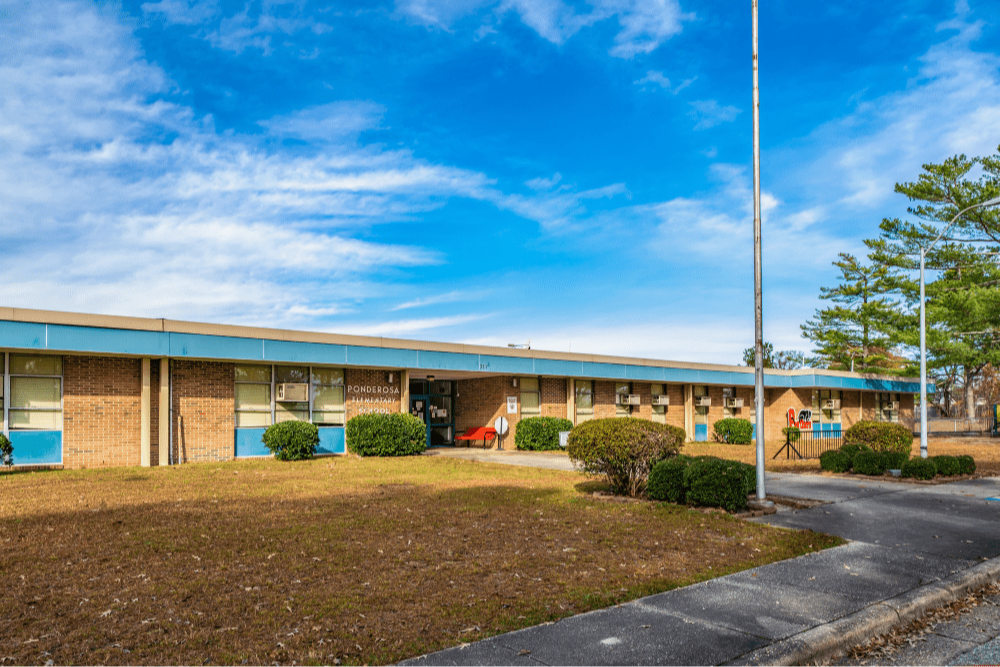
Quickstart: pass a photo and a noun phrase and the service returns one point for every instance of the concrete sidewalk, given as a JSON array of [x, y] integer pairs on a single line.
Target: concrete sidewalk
[[912, 546], [551, 460]]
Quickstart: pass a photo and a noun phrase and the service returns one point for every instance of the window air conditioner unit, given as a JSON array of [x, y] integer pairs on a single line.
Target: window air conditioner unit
[[662, 399], [892, 405], [292, 392], [831, 404], [626, 399], [703, 401], [734, 402]]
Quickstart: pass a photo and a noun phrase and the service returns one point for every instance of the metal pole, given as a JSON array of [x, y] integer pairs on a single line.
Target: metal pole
[[923, 362], [757, 292]]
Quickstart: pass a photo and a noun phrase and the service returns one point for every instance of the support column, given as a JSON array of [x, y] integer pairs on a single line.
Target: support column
[[164, 413], [404, 392], [689, 411], [145, 441], [571, 400]]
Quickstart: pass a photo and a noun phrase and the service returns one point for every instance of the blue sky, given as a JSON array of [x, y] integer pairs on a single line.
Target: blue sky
[[489, 171]]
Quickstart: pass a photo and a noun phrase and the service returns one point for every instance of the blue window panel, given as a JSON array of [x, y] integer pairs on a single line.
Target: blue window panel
[[600, 370], [448, 361], [383, 357], [701, 432], [512, 365], [650, 373], [816, 428], [304, 353], [216, 347], [249, 442], [36, 447], [331, 441], [559, 367], [22, 335], [117, 341]]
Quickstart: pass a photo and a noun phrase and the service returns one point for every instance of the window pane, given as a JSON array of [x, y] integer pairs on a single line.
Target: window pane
[[333, 418], [22, 364], [584, 401], [253, 419], [418, 387], [39, 419], [291, 412], [35, 393], [700, 415], [622, 388], [656, 389], [328, 398], [247, 373], [700, 390], [328, 376], [584, 386], [291, 374], [530, 402], [441, 410], [253, 397], [529, 384], [441, 387]]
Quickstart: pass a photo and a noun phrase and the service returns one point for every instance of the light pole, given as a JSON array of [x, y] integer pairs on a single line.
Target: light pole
[[758, 345], [923, 323]]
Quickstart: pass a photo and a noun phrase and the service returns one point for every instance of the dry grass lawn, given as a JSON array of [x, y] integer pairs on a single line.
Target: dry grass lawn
[[985, 450], [357, 560]]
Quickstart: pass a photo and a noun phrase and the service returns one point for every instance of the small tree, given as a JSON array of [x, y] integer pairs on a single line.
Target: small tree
[[6, 451]]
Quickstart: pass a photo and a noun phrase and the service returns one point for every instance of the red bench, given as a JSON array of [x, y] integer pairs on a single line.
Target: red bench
[[483, 433]]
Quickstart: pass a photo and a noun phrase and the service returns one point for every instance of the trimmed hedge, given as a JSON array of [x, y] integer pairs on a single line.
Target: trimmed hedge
[[894, 460], [835, 461], [880, 436], [6, 451], [666, 479], [394, 434], [967, 464], [853, 449], [540, 433], [292, 440], [623, 449], [869, 463], [719, 483], [919, 468], [734, 431], [947, 465]]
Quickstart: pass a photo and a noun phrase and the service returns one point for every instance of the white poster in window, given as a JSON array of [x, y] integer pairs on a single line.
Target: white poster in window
[[512, 405]]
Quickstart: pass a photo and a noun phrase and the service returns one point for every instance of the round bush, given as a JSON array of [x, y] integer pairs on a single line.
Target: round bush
[[853, 449], [947, 465], [666, 479], [734, 431], [7, 451], [835, 461], [292, 440], [868, 463], [792, 433], [396, 434], [623, 449], [894, 460], [919, 469], [719, 483], [880, 436], [967, 464], [540, 433]]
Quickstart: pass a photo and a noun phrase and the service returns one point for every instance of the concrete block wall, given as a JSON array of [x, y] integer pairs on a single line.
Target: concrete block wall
[[203, 410], [101, 411]]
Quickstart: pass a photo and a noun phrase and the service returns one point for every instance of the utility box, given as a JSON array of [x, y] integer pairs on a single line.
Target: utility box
[[662, 399], [292, 392], [564, 439]]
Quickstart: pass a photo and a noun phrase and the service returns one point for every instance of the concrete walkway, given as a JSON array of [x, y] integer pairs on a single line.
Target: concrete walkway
[[911, 545], [552, 460]]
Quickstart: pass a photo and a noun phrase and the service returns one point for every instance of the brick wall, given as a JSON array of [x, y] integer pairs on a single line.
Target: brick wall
[[480, 401], [370, 391], [203, 407], [101, 411], [554, 397]]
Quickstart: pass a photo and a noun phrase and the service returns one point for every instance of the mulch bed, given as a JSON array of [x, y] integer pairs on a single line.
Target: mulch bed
[[351, 560]]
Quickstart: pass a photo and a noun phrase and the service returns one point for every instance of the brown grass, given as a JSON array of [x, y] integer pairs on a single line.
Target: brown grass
[[985, 450], [359, 560]]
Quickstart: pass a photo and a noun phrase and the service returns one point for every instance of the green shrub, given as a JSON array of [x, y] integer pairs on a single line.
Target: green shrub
[[395, 434], [540, 433], [734, 431], [835, 461], [966, 464], [623, 449], [7, 451], [292, 440], [719, 483], [880, 436], [869, 463], [792, 434], [894, 460], [853, 449], [919, 468], [666, 479], [947, 465]]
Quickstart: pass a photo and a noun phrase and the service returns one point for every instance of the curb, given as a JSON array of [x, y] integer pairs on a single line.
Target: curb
[[830, 639]]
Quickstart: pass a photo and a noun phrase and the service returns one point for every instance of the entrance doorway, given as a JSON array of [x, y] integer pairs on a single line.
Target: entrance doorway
[[432, 401]]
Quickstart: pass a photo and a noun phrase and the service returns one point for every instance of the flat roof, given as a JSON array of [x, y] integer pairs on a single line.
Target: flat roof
[[80, 333]]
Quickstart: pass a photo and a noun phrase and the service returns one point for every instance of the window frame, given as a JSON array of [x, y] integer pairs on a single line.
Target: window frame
[[7, 392], [273, 411], [538, 392], [883, 397], [658, 412], [622, 410], [819, 414], [579, 391], [698, 414]]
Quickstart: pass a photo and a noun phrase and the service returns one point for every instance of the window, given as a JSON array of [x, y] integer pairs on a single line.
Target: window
[[531, 397], [291, 410], [328, 397], [700, 412], [584, 400], [253, 396], [35, 393], [622, 390], [823, 402], [728, 412], [659, 411], [888, 407]]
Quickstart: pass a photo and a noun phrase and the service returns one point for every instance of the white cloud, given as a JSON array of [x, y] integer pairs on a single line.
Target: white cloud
[[654, 77], [406, 327], [710, 113], [544, 183], [183, 12], [437, 299]]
